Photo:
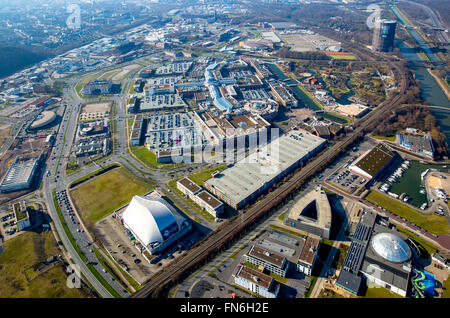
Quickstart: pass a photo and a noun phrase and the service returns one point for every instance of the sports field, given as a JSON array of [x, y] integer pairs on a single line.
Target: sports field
[[24, 251], [100, 196], [432, 223]]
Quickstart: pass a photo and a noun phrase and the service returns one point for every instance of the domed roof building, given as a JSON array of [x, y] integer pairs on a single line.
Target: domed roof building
[[153, 222], [391, 247]]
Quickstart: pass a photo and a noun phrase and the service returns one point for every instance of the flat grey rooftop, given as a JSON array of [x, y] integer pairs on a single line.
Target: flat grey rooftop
[[250, 174], [322, 206]]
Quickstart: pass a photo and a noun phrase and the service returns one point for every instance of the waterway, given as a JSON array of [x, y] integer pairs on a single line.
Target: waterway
[[410, 183], [431, 91], [414, 34], [301, 96]]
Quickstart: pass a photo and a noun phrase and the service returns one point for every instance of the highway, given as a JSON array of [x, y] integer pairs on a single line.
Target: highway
[[441, 35], [47, 192]]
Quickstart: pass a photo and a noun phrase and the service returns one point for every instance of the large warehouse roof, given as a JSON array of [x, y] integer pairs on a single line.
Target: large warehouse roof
[[257, 170], [19, 175], [374, 160], [149, 219]]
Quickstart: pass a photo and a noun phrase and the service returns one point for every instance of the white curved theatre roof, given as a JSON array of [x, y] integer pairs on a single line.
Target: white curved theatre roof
[[148, 218], [391, 247]]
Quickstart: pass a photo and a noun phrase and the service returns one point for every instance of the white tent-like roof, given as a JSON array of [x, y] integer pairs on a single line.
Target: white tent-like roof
[[148, 218]]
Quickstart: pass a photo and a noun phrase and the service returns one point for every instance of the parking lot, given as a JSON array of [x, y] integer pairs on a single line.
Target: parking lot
[[172, 131], [345, 179], [121, 246], [8, 227], [338, 173]]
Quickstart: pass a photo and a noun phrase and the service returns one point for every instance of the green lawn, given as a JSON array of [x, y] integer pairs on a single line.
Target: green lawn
[[282, 229], [147, 157], [391, 138], [115, 188], [432, 223], [427, 246], [380, 292], [342, 57], [202, 176], [24, 251], [446, 288]]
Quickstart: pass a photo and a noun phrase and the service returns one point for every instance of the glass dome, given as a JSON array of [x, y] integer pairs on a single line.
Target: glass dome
[[391, 247]]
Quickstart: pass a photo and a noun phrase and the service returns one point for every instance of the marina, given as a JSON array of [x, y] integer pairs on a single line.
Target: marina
[[408, 185]]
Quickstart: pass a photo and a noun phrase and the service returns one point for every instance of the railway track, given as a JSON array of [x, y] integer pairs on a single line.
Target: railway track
[[230, 230]]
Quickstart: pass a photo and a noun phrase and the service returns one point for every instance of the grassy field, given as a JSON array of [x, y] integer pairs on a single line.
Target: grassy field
[[282, 229], [342, 57], [392, 138], [432, 223], [202, 176], [23, 251], [4, 133], [146, 156], [427, 246], [115, 188], [380, 292], [447, 288]]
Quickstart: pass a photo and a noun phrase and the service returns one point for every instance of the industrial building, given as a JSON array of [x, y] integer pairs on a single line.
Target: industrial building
[[257, 282], [256, 45], [384, 35], [308, 257], [283, 95], [21, 215], [298, 251], [43, 119], [245, 180], [158, 102], [137, 130], [154, 222], [311, 213], [42, 102], [269, 260], [417, 143], [98, 87], [200, 196], [372, 162], [378, 254], [19, 175], [225, 127]]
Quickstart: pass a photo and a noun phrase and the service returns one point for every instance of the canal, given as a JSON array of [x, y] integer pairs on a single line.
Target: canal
[[431, 91], [302, 97]]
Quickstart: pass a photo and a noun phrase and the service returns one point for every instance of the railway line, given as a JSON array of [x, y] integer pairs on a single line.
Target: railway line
[[231, 229]]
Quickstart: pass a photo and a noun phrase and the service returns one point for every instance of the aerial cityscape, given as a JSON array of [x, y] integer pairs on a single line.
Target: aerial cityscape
[[230, 149]]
